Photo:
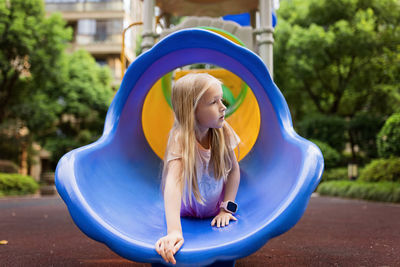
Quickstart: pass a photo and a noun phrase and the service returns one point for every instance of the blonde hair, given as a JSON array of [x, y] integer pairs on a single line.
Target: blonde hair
[[185, 96]]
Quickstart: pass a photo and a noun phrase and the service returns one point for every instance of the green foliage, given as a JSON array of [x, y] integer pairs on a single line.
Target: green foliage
[[388, 138], [30, 54], [363, 129], [338, 57], [82, 105], [10, 144], [16, 184], [382, 170], [379, 191], [328, 129], [331, 156], [8, 166], [138, 49], [61, 98], [361, 159], [335, 174]]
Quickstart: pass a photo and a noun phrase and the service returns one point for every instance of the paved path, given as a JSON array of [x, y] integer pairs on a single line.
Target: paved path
[[332, 232]]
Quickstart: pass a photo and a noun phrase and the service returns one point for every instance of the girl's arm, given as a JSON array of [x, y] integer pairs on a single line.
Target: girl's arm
[[168, 245], [231, 188], [233, 181], [173, 196]]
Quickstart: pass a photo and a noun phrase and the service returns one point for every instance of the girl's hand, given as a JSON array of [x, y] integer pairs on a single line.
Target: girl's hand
[[168, 245], [223, 218]]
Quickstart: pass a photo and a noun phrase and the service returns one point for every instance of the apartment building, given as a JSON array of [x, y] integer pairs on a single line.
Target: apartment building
[[98, 26]]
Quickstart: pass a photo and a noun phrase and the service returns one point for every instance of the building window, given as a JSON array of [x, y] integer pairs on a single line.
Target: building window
[[86, 27], [80, 1], [101, 62], [100, 30]]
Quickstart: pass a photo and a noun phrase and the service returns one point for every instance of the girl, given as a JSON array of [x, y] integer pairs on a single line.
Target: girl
[[201, 172]]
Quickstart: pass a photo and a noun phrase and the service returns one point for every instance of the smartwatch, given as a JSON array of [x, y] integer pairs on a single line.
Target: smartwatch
[[229, 206]]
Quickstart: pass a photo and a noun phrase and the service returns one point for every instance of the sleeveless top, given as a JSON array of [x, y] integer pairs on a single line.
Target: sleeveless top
[[211, 190]]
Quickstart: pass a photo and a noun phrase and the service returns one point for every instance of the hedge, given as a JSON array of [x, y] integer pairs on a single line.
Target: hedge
[[335, 174], [8, 166], [331, 156], [379, 191], [17, 184], [382, 170], [388, 139], [329, 129], [364, 128]]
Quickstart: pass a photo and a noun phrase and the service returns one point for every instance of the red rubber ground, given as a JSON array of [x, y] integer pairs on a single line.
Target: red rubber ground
[[332, 232]]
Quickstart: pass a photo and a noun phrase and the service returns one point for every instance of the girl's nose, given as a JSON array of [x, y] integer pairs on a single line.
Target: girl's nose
[[223, 108]]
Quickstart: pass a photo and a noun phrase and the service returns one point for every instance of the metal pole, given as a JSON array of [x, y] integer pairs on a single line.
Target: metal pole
[[148, 25], [123, 61], [266, 31]]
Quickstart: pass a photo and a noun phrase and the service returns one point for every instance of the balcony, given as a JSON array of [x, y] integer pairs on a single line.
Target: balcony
[[98, 44], [74, 9]]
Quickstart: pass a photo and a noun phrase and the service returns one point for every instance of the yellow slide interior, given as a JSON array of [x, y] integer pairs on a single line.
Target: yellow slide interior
[[158, 118]]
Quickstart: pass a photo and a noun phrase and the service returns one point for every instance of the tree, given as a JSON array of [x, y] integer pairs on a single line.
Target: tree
[[61, 99], [82, 104], [339, 57], [30, 51], [73, 114]]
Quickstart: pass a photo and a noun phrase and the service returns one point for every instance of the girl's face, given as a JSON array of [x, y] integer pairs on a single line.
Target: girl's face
[[210, 111]]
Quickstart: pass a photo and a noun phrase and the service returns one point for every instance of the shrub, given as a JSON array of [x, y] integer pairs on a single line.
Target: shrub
[[381, 170], [347, 157], [380, 191], [10, 147], [8, 166], [388, 139], [335, 174], [17, 184], [363, 128], [331, 156], [328, 129]]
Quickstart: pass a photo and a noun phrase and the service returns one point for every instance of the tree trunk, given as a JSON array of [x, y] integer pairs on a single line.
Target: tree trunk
[[24, 159], [353, 162]]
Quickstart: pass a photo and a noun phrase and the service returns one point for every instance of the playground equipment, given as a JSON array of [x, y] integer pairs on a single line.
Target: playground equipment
[[243, 104], [111, 187]]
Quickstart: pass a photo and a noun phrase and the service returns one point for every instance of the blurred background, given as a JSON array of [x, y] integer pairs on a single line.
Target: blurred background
[[336, 62]]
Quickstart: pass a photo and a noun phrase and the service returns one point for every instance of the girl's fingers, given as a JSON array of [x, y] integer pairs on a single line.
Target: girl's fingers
[[178, 245], [167, 248], [226, 220], [171, 258], [158, 247], [163, 252], [221, 221], [169, 252]]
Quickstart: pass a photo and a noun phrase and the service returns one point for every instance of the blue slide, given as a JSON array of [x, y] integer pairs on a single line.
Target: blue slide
[[112, 187]]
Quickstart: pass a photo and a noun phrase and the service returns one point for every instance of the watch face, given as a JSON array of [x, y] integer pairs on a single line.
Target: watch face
[[232, 206]]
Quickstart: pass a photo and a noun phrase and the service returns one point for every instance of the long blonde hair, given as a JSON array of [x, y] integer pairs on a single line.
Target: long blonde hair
[[185, 96]]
